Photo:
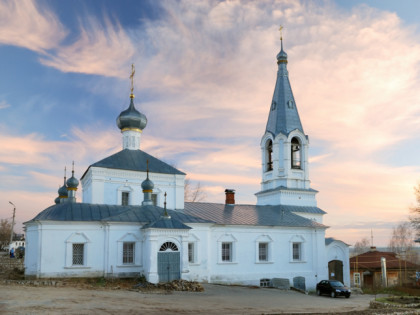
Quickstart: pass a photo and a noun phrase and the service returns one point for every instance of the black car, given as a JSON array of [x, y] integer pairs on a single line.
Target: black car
[[333, 288]]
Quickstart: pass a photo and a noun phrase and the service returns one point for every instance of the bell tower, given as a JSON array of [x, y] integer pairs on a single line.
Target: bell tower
[[284, 148]]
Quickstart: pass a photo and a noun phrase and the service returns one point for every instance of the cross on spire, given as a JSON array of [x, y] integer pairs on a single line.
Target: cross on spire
[[281, 32], [133, 71]]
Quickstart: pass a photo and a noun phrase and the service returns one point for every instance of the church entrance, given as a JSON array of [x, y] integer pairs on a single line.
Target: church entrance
[[169, 266], [335, 270]]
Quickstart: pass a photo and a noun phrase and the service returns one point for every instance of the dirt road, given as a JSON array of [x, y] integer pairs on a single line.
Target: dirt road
[[216, 299]]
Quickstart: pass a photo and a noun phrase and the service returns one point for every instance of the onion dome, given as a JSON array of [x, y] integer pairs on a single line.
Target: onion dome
[[57, 200], [147, 185], [72, 182], [131, 118], [62, 191]]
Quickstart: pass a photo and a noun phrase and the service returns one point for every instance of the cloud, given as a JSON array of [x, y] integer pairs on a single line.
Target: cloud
[[24, 24], [104, 50], [205, 75], [4, 104]]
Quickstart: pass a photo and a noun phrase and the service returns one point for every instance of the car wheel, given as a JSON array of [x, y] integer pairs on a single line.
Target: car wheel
[[347, 296], [318, 292], [333, 295]]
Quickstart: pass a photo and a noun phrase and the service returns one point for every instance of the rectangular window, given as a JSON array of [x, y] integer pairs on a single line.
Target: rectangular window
[[297, 255], [226, 251], [128, 253], [357, 279], [191, 252], [78, 254], [125, 198], [263, 251], [154, 199]]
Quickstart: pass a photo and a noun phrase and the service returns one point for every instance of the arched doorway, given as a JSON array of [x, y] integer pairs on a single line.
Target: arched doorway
[[335, 270], [169, 266]]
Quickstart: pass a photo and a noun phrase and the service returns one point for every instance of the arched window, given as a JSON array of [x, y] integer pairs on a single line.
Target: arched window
[[269, 156], [295, 151], [168, 246]]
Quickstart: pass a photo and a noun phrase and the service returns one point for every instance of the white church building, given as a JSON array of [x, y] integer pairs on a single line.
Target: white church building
[[133, 219]]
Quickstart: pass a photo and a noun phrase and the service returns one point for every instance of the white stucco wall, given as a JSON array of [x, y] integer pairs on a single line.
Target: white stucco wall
[[105, 186], [245, 267], [50, 244]]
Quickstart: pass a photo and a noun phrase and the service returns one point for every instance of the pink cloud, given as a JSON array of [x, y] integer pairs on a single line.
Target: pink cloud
[[110, 42], [354, 75], [24, 24]]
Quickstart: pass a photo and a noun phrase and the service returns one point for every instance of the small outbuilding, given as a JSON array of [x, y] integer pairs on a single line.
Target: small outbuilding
[[366, 269]]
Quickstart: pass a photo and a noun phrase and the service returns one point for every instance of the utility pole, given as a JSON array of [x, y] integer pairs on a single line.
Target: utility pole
[[13, 224]]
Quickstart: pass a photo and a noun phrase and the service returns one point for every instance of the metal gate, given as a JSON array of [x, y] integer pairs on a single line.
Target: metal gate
[[169, 266]]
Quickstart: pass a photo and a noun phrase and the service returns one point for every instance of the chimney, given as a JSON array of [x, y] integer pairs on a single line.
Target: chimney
[[230, 196], [373, 249]]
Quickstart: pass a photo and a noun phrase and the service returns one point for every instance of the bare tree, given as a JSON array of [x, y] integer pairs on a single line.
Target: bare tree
[[193, 193], [361, 247], [5, 229], [415, 210], [401, 239], [402, 242]]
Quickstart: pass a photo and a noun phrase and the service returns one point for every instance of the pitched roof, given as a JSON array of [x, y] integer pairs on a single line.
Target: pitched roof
[[283, 117], [135, 160], [72, 211], [194, 212], [166, 223], [372, 260], [250, 214], [329, 240]]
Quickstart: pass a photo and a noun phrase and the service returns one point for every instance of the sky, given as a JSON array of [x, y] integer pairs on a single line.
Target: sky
[[205, 76]]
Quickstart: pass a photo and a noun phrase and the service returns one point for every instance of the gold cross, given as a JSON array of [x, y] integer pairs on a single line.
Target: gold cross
[[281, 32], [133, 71]]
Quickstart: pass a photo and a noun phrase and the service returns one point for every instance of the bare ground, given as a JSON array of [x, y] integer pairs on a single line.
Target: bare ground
[[215, 299]]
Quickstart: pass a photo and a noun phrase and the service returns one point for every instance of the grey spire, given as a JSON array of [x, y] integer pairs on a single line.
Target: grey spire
[[283, 117]]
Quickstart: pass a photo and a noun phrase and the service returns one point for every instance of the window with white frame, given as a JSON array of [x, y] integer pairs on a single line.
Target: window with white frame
[[78, 254], [297, 251], [191, 253], [128, 252], [226, 245], [77, 246], [125, 198], [356, 276], [263, 251], [226, 251]]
